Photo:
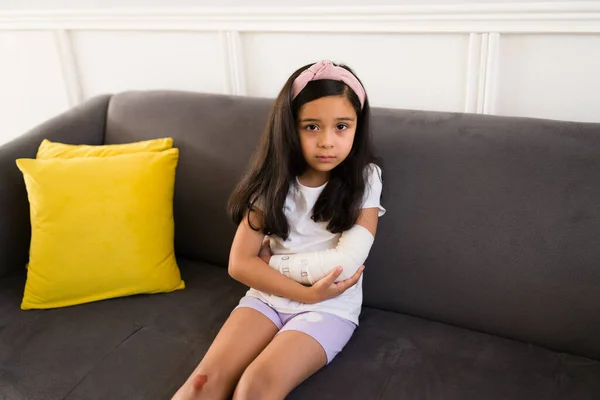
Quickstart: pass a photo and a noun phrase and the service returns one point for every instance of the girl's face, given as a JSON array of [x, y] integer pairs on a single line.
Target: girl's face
[[326, 128]]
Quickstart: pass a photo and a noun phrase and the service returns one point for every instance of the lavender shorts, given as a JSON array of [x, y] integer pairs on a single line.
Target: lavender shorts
[[329, 330]]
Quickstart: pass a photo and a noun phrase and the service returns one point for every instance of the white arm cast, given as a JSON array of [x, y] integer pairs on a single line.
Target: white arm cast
[[307, 268]]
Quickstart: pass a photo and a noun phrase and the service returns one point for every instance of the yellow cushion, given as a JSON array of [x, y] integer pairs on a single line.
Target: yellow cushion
[[101, 228], [50, 149]]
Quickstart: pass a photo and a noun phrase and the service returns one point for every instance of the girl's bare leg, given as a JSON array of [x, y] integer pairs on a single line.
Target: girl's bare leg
[[242, 338], [285, 363]]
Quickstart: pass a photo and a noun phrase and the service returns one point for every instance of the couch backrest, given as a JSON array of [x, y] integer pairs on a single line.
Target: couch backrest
[[493, 223], [216, 136]]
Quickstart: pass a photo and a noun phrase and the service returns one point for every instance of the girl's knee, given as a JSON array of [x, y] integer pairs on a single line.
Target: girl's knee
[[211, 384], [257, 383]]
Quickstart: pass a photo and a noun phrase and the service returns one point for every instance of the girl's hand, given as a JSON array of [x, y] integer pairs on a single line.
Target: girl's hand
[[265, 252], [326, 288]]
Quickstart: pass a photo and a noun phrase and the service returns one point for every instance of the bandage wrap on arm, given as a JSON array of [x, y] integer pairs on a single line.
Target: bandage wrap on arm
[[307, 268]]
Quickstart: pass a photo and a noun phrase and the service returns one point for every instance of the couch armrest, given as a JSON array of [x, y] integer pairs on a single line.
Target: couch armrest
[[84, 124]]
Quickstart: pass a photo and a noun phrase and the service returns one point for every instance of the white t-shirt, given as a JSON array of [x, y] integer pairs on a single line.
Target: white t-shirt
[[307, 235]]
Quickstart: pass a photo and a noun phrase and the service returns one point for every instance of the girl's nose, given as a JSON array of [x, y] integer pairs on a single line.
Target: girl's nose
[[326, 140]]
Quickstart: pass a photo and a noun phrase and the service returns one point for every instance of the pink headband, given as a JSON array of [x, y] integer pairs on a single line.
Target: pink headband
[[326, 70]]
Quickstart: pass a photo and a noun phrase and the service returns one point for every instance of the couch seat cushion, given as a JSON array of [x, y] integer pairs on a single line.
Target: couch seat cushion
[[145, 346]]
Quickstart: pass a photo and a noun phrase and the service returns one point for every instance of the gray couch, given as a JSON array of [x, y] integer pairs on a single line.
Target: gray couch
[[483, 283]]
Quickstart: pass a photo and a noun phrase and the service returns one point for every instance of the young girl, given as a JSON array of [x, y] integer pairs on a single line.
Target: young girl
[[314, 192]]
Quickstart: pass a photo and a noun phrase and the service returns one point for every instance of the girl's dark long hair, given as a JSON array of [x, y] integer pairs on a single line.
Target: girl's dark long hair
[[279, 160]]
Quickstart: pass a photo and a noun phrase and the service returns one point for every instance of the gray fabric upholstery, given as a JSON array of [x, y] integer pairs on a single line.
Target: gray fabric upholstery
[[492, 226], [84, 124], [492, 221], [144, 347], [394, 356], [139, 347]]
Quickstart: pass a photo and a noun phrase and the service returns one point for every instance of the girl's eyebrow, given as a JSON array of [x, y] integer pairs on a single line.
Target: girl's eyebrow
[[318, 120]]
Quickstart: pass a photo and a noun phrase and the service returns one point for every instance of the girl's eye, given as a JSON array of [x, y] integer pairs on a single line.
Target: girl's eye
[[311, 127], [341, 127]]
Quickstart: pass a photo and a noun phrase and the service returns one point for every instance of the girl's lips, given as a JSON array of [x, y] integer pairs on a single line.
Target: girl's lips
[[325, 158]]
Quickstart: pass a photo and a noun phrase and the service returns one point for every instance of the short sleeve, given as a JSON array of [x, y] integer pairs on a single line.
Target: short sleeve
[[372, 196]]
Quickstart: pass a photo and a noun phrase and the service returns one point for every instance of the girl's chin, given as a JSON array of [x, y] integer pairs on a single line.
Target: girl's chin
[[323, 168]]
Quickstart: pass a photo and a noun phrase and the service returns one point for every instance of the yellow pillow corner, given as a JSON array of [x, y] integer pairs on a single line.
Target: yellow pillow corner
[[48, 149], [102, 227]]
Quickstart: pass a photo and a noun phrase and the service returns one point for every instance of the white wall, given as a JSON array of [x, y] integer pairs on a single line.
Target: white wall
[[31, 82], [526, 59], [553, 76]]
